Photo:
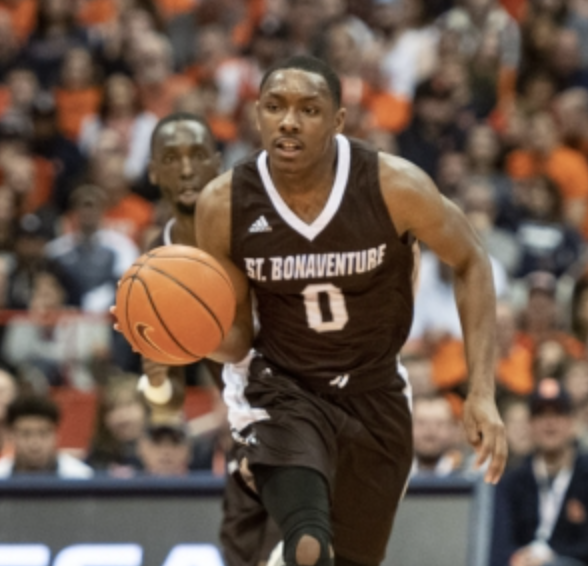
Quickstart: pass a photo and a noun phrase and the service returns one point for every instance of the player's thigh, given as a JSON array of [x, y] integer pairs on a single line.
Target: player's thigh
[[299, 429], [370, 482]]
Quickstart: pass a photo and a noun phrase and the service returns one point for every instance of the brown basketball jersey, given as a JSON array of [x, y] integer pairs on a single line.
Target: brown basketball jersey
[[334, 297]]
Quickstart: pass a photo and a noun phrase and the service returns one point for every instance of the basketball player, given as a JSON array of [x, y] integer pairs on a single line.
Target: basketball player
[[184, 159], [320, 228]]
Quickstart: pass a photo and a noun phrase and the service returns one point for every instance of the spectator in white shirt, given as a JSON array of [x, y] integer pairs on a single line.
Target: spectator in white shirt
[[33, 422]]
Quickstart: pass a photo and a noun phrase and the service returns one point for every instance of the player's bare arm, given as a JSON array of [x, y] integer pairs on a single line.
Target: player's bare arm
[[213, 234], [416, 206]]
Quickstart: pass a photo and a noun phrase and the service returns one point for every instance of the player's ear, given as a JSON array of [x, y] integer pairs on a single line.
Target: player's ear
[[152, 173], [340, 120]]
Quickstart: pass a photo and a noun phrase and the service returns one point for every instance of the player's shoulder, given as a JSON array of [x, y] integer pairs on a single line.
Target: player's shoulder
[[399, 174], [409, 193], [216, 196]]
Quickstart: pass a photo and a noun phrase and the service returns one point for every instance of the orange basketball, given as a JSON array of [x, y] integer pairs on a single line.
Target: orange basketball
[[175, 304]]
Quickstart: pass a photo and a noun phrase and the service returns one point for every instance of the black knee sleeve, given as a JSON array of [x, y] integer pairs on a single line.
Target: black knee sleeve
[[298, 501]]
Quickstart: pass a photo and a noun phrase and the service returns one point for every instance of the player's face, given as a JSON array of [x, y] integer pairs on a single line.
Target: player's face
[[297, 118], [184, 160]]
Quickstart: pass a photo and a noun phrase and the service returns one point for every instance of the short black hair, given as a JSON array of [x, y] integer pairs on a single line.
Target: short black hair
[[182, 117], [310, 65], [32, 406]]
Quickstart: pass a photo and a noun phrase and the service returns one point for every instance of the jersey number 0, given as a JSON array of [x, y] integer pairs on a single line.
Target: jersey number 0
[[334, 314]]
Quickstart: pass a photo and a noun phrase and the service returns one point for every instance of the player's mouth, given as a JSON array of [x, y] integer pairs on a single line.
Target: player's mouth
[[188, 194], [287, 147], [189, 190]]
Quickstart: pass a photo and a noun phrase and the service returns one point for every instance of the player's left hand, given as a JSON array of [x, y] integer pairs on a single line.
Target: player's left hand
[[113, 313], [485, 432]]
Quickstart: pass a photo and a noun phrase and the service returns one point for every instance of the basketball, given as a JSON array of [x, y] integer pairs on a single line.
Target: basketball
[[175, 304]]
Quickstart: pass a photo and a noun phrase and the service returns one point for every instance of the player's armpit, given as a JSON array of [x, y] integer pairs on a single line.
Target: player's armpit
[[213, 235]]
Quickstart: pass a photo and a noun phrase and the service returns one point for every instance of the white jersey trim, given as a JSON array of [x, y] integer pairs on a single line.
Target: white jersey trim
[[167, 240], [310, 231], [241, 413]]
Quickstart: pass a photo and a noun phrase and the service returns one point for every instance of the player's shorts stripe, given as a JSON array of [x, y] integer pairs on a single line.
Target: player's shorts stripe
[[241, 413], [403, 373]]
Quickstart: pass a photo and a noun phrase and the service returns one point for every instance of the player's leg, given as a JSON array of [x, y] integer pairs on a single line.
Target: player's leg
[[291, 449], [243, 528], [372, 471], [298, 500]]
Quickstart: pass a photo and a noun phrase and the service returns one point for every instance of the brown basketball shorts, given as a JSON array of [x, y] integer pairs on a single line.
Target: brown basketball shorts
[[360, 442]]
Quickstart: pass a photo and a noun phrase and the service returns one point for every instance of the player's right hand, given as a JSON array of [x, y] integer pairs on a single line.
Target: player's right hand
[[485, 432]]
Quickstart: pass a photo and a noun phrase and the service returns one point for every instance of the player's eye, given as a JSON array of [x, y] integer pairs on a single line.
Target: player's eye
[[169, 158], [271, 106], [311, 110]]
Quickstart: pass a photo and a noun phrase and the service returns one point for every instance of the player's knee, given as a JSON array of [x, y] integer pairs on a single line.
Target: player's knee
[[309, 550]]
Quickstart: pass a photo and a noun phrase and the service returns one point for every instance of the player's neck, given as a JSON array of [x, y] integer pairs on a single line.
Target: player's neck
[[183, 231]]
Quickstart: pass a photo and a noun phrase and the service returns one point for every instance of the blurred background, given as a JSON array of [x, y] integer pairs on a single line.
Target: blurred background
[[489, 97]]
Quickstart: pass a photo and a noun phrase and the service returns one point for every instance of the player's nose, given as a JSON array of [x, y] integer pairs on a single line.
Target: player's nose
[[290, 121], [187, 167]]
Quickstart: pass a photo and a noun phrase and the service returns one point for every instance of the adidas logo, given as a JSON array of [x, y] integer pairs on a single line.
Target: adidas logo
[[340, 381], [260, 225]]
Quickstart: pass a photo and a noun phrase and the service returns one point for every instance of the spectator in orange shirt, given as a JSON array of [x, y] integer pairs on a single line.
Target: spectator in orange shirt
[[204, 100], [121, 112], [77, 97], [126, 212], [345, 50], [97, 12], [172, 8], [22, 14], [63, 154], [159, 88], [216, 64], [571, 112], [567, 168], [8, 47], [514, 366]]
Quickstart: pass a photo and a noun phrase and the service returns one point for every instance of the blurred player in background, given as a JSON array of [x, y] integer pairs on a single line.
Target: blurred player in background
[[320, 227], [184, 159]]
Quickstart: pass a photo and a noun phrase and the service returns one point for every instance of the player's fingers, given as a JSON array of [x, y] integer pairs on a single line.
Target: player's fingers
[[486, 445], [113, 313], [472, 432], [499, 456]]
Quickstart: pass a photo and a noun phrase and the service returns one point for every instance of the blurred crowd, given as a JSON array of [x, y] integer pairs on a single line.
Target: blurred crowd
[[489, 97]]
